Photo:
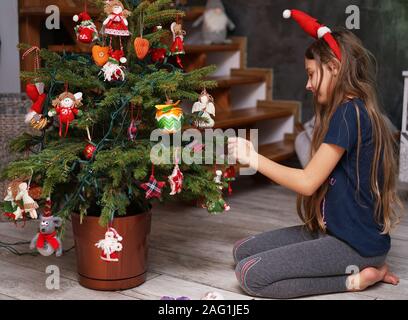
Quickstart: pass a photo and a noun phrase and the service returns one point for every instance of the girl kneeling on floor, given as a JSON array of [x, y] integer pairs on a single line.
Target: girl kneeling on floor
[[345, 193]]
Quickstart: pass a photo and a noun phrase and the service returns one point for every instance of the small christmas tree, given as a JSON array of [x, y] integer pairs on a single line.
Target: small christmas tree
[[94, 115]]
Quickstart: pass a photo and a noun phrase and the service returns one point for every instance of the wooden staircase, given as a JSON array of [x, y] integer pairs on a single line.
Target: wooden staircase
[[244, 96]]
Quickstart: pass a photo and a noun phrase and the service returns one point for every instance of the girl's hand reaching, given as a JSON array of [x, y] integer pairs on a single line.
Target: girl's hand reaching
[[242, 151]]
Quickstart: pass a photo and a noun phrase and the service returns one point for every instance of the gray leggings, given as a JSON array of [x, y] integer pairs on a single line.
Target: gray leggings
[[293, 262]]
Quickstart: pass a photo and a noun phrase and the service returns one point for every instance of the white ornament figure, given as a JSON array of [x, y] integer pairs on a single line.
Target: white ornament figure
[[30, 205], [205, 108], [110, 245], [112, 70], [17, 213], [215, 23]]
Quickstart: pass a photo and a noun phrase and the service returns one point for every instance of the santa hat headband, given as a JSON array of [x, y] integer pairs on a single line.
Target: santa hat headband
[[311, 26]]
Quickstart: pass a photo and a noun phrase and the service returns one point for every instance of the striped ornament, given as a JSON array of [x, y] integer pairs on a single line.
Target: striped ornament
[[169, 117]]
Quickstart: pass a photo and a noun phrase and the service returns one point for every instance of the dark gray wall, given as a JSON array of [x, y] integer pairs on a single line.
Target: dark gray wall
[[274, 42]]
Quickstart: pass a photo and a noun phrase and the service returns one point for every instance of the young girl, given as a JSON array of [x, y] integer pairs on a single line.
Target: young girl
[[345, 193]]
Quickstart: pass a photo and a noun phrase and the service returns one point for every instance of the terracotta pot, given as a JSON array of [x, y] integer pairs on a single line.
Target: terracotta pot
[[130, 270]]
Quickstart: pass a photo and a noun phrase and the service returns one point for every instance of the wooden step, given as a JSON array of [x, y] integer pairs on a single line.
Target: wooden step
[[278, 151], [242, 117], [229, 81]]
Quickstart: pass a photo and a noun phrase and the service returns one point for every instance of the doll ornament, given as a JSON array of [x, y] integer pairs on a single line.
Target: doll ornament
[[66, 106], [204, 108], [177, 48], [116, 23]]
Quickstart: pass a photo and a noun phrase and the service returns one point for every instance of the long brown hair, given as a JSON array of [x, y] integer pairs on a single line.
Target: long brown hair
[[356, 78]]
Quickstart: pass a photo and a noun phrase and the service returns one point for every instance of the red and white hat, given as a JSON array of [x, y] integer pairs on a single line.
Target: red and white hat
[[83, 16], [116, 234], [311, 26]]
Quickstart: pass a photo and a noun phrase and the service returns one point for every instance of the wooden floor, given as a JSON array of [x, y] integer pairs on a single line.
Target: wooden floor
[[190, 252]]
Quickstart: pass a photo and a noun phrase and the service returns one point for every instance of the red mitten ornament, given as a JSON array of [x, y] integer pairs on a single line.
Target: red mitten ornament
[[36, 94]]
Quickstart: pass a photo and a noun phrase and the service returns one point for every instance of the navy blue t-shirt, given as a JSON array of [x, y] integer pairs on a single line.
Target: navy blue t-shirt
[[349, 215]]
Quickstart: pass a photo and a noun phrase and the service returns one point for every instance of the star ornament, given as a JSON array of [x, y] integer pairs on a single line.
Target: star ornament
[[176, 180], [153, 187]]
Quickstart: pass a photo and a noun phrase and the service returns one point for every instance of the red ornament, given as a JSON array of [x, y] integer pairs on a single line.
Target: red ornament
[[89, 150], [158, 54], [229, 176]]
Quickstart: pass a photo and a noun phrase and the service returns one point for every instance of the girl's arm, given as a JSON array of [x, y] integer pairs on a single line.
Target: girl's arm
[[304, 181]]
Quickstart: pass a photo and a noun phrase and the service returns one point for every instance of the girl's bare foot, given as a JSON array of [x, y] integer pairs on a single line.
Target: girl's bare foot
[[370, 276]]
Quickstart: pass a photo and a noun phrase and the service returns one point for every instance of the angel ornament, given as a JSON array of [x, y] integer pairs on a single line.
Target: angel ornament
[[204, 108], [116, 23]]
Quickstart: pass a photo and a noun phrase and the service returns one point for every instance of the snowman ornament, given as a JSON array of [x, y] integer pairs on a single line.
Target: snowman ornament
[[66, 106]]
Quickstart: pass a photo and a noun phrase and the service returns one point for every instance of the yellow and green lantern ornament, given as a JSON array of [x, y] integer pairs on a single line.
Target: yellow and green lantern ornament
[[169, 116]]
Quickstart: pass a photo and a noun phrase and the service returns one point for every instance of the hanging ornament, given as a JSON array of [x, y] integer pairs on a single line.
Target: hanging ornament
[[110, 246], [46, 240], [85, 30], [66, 106], [153, 187], [35, 117], [100, 54], [219, 205], [176, 179], [112, 70], [89, 150], [158, 54], [116, 23], [134, 122], [169, 116], [35, 91], [90, 147], [19, 202], [229, 176], [204, 108], [141, 44], [12, 209], [177, 47]]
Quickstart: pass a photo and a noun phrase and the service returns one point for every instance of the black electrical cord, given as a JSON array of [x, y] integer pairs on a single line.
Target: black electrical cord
[[10, 247]]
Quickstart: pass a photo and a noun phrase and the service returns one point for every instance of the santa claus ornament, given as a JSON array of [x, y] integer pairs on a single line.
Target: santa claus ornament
[[85, 30], [110, 245], [177, 48], [204, 108], [316, 30], [112, 70], [116, 23], [66, 106]]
